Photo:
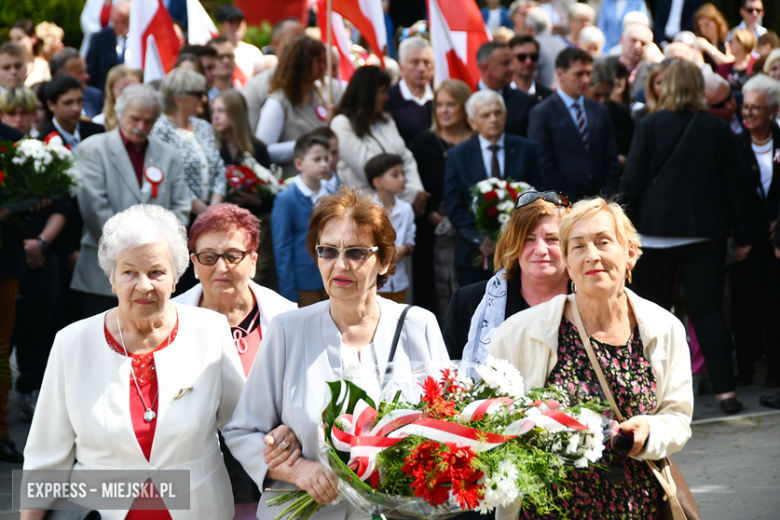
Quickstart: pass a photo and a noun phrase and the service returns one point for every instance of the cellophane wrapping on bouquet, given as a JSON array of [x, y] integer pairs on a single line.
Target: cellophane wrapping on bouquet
[[447, 437]]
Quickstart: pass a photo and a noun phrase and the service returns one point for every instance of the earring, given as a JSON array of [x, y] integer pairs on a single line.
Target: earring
[[197, 277], [253, 274], [573, 287], [630, 276]]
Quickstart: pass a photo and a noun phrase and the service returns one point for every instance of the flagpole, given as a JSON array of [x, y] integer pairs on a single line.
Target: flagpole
[[329, 56]]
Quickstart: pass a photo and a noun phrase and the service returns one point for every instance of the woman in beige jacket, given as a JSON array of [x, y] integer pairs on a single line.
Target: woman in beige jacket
[[642, 350]]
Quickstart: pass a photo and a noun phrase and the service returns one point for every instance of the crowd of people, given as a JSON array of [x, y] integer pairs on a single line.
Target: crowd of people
[[652, 150]]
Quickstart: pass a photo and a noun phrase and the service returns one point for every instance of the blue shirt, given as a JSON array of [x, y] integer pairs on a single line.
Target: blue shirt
[[569, 102]]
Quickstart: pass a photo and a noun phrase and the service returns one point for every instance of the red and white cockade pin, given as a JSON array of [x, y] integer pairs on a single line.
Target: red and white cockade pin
[[322, 112], [155, 176], [777, 155]]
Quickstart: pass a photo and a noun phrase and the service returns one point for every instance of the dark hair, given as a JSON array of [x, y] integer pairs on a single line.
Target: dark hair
[[59, 85], [60, 59], [306, 142], [28, 27], [358, 103], [217, 40], [769, 37], [486, 51], [602, 73], [568, 56], [11, 48], [325, 132], [743, 2], [522, 40], [379, 164], [186, 56], [199, 50], [620, 70], [295, 68]]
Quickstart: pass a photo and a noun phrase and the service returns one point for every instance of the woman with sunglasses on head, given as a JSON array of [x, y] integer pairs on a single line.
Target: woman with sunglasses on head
[[347, 336], [224, 241], [529, 270]]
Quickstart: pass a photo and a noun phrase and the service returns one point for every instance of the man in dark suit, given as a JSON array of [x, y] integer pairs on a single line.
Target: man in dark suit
[[69, 61], [492, 153], [107, 48], [525, 50], [410, 102], [723, 102], [496, 69], [574, 134], [665, 28]]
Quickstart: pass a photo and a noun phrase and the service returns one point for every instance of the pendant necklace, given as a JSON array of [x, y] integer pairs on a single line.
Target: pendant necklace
[[149, 414]]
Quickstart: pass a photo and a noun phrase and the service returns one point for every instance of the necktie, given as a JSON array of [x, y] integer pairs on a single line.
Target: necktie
[[582, 125], [495, 168]]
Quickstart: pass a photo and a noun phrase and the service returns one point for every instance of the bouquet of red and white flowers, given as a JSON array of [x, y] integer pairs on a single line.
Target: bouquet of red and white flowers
[[250, 176], [445, 442], [492, 203]]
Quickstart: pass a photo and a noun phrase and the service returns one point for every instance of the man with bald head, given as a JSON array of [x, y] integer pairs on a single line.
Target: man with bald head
[[635, 40], [256, 89], [107, 47]]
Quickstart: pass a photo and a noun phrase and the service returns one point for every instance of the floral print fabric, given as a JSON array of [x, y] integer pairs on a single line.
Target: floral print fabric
[[632, 381]]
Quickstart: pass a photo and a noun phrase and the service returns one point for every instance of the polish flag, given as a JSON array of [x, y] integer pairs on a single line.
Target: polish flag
[[152, 41], [457, 31], [200, 26], [340, 41], [368, 17]]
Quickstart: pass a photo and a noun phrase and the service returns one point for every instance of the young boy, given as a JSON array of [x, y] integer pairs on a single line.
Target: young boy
[[332, 181], [385, 172], [299, 277]]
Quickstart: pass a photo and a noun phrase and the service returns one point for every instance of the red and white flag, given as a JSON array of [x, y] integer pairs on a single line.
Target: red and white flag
[[457, 32], [152, 41], [200, 26], [368, 17], [339, 37]]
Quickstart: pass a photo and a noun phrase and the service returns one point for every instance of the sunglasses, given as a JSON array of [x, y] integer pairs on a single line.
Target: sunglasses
[[198, 93], [522, 57], [353, 254], [754, 10], [556, 197], [721, 104], [210, 258]]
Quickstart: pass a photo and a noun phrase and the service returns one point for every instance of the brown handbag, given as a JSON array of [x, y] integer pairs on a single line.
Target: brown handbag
[[677, 503]]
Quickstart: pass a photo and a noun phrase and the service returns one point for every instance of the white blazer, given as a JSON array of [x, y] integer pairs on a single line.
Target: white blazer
[[83, 411], [286, 385], [269, 302]]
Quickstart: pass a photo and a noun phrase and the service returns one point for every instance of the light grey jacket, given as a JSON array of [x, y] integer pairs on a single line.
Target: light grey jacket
[[109, 185], [286, 385]]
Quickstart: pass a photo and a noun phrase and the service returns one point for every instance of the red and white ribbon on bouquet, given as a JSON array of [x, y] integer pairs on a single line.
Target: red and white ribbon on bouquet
[[363, 442]]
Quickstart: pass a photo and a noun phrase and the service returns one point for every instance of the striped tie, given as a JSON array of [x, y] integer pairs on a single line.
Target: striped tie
[[582, 125]]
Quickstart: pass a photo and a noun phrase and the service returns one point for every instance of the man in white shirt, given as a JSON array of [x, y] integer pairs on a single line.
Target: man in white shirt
[[410, 102], [232, 25], [751, 12]]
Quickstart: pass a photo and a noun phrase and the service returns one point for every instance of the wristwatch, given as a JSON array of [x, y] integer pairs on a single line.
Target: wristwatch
[[43, 243]]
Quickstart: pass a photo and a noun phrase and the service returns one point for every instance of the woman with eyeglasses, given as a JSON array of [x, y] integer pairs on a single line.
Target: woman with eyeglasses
[[348, 336], [224, 241], [529, 270]]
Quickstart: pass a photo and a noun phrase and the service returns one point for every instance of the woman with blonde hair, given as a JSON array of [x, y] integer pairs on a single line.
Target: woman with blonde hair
[[653, 88], [685, 194], [741, 43], [118, 78], [434, 277], [713, 30], [231, 129], [772, 65], [51, 36]]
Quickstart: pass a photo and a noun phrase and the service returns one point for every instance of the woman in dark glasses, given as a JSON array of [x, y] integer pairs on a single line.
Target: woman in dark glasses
[[348, 336], [529, 270]]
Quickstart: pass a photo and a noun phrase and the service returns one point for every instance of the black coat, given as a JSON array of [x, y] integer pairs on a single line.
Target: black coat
[[700, 194], [260, 154], [12, 264], [464, 303], [767, 204], [623, 124], [101, 56], [410, 118]]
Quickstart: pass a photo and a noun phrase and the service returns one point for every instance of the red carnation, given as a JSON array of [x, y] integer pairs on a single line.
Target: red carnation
[[451, 385], [3, 149], [436, 404], [492, 212], [491, 195], [2, 176]]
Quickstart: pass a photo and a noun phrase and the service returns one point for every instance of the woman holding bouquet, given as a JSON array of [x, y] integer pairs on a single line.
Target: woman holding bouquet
[[348, 336], [642, 350]]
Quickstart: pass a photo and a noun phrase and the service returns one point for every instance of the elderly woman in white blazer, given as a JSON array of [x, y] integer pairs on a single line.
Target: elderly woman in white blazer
[[365, 130], [344, 337], [111, 182], [641, 348], [145, 385]]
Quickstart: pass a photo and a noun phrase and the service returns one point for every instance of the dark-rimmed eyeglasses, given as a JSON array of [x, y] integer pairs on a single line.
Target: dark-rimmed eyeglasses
[[354, 254], [198, 93], [211, 258], [522, 57], [721, 104], [556, 197]]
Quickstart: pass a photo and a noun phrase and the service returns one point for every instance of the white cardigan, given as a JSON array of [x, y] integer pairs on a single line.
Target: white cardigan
[[83, 411], [356, 152], [286, 385]]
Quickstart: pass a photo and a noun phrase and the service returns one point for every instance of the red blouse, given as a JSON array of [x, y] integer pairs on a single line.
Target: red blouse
[[144, 370]]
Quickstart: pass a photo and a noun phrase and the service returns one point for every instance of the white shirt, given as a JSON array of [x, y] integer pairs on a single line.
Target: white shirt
[[331, 185], [406, 93], [361, 366], [269, 130], [759, 32], [487, 154], [72, 140], [494, 19], [402, 217], [247, 56], [531, 89], [764, 158], [735, 125], [481, 86], [310, 193], [673, 23]]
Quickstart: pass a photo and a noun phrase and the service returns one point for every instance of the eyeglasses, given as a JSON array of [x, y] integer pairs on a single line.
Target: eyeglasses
[[522, 57], [211, 258], [721, 104], [198, 93], [228, 57], [753, 108], [556, 197], [354, 254]]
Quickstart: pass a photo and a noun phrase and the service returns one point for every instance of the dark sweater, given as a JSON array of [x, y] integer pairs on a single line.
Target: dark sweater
[[410, 118]]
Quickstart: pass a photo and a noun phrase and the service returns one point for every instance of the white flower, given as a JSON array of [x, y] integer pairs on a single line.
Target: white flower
[[581, 463], [503, 218], [501, 184], [506, 206], [502, 194], [574, 443], [484, 186]]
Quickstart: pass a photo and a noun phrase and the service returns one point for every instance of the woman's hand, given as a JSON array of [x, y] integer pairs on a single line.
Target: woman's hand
[[317, 480], [281, 445], [641, 431], [331, 112], [198, 207]]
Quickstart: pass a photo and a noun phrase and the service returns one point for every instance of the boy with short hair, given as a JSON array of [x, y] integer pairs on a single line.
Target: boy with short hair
[[332, 181], [299, 276], [12, 65], [385, 173]]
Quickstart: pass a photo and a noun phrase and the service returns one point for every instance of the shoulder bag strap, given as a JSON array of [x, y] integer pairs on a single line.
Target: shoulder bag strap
[[396, 337], [676, 148]]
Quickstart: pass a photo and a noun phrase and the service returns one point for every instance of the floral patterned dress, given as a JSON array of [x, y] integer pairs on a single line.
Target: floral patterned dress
[[632, 382]]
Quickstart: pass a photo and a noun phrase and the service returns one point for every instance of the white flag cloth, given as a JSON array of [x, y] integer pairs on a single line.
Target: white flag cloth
[[200, 26]]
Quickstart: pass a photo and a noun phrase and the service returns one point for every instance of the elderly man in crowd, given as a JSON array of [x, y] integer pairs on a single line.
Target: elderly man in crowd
[[574, 134], [525, 50], [120, 169], [540, 27], [723, 102], [12, 65], [411, 101], [492, 153], [495, 62], [635, 39], [107, 47], [69, 61]]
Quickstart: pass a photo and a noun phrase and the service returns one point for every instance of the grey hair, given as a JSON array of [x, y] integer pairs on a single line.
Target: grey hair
[[539, 20], [591, 34], [60, 58], [713, 81], [415, 42], [603, 73], [517, 4], [688, 38], [765, 84], [141, 225], [482, 97], [635, 17], [139, 95], [177, 83]]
